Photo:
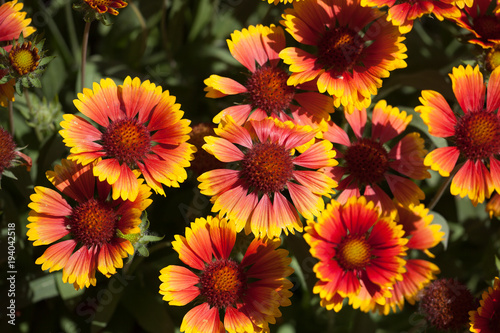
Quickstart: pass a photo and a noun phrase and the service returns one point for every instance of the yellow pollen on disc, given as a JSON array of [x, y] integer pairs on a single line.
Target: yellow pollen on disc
[[477, 135], [493, 58], [23, 58], [226, 279], [353, 252]]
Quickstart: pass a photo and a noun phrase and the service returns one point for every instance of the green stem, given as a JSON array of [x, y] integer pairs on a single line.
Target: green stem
[[442, 188], [10, 107], [85, 42]]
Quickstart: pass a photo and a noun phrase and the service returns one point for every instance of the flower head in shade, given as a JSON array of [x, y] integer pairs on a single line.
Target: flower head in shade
[[82, 228], [486, 318], [10, 155], [97, 9], [282, 1], [266, 91], [402, 13], [422, 235], [353, 47], [445, 304], [136, 129], [268, 166], [234, 295], [360, 253], [473, 132], [367, 162], [483, 22]]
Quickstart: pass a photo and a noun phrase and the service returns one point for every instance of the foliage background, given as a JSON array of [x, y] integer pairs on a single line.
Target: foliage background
[[177, 44]]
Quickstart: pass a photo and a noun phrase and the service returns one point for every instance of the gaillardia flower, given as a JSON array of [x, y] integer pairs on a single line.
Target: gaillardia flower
[[422, 235], [138, 130], [493, 205], [486, 319], [369, 161], [106, 6], [491, 57], [482, 21], [13, 22], [360, 253], [87, 220], [267, 166], [474, 133], [10, 156], [266, 91], [402, 12], [234, 295], [354, 47]]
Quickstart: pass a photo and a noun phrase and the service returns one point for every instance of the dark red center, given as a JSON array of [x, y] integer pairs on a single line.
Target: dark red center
[[367, 161], [339, 49], [222, 283], [487, 26], [267, 90], [127, 141], [477, 135], [93, 222], [267, 167]]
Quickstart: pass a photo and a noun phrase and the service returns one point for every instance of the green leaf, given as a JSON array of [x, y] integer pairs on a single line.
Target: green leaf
[[66, 290], [440, 220], [43, 288]]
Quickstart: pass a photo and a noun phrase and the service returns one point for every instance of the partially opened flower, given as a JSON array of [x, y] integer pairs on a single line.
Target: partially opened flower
[[360, 253], [231, 293], [106, 6], [473, 132], [267, 170], [493, 205], [83, 228], [486, 319], [138, 130], [353, 48], [422, 235], [282, 1], [266, 91], [10, 155], [368, 162], [483, 22]]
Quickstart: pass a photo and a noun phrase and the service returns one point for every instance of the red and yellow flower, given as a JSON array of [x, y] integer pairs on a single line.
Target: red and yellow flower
[[422, 235], [138, 130], [266, 91], [474, 133], [361, 253], [267, 166], [246, 292], [402, 13], [13, 22], [366, 162], [87, 221], [486, 319], [482, 21], [354, 48], [106, 6]]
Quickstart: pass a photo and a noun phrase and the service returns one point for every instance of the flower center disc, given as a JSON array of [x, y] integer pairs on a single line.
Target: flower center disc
[[93, 222], [222, 283], [7, 149], [477, 135], [267, 90], [487, 27], [493, 58], [267, 167], [23, 58], [353, 252], [127, 140], [339, 49], [367, 161]]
